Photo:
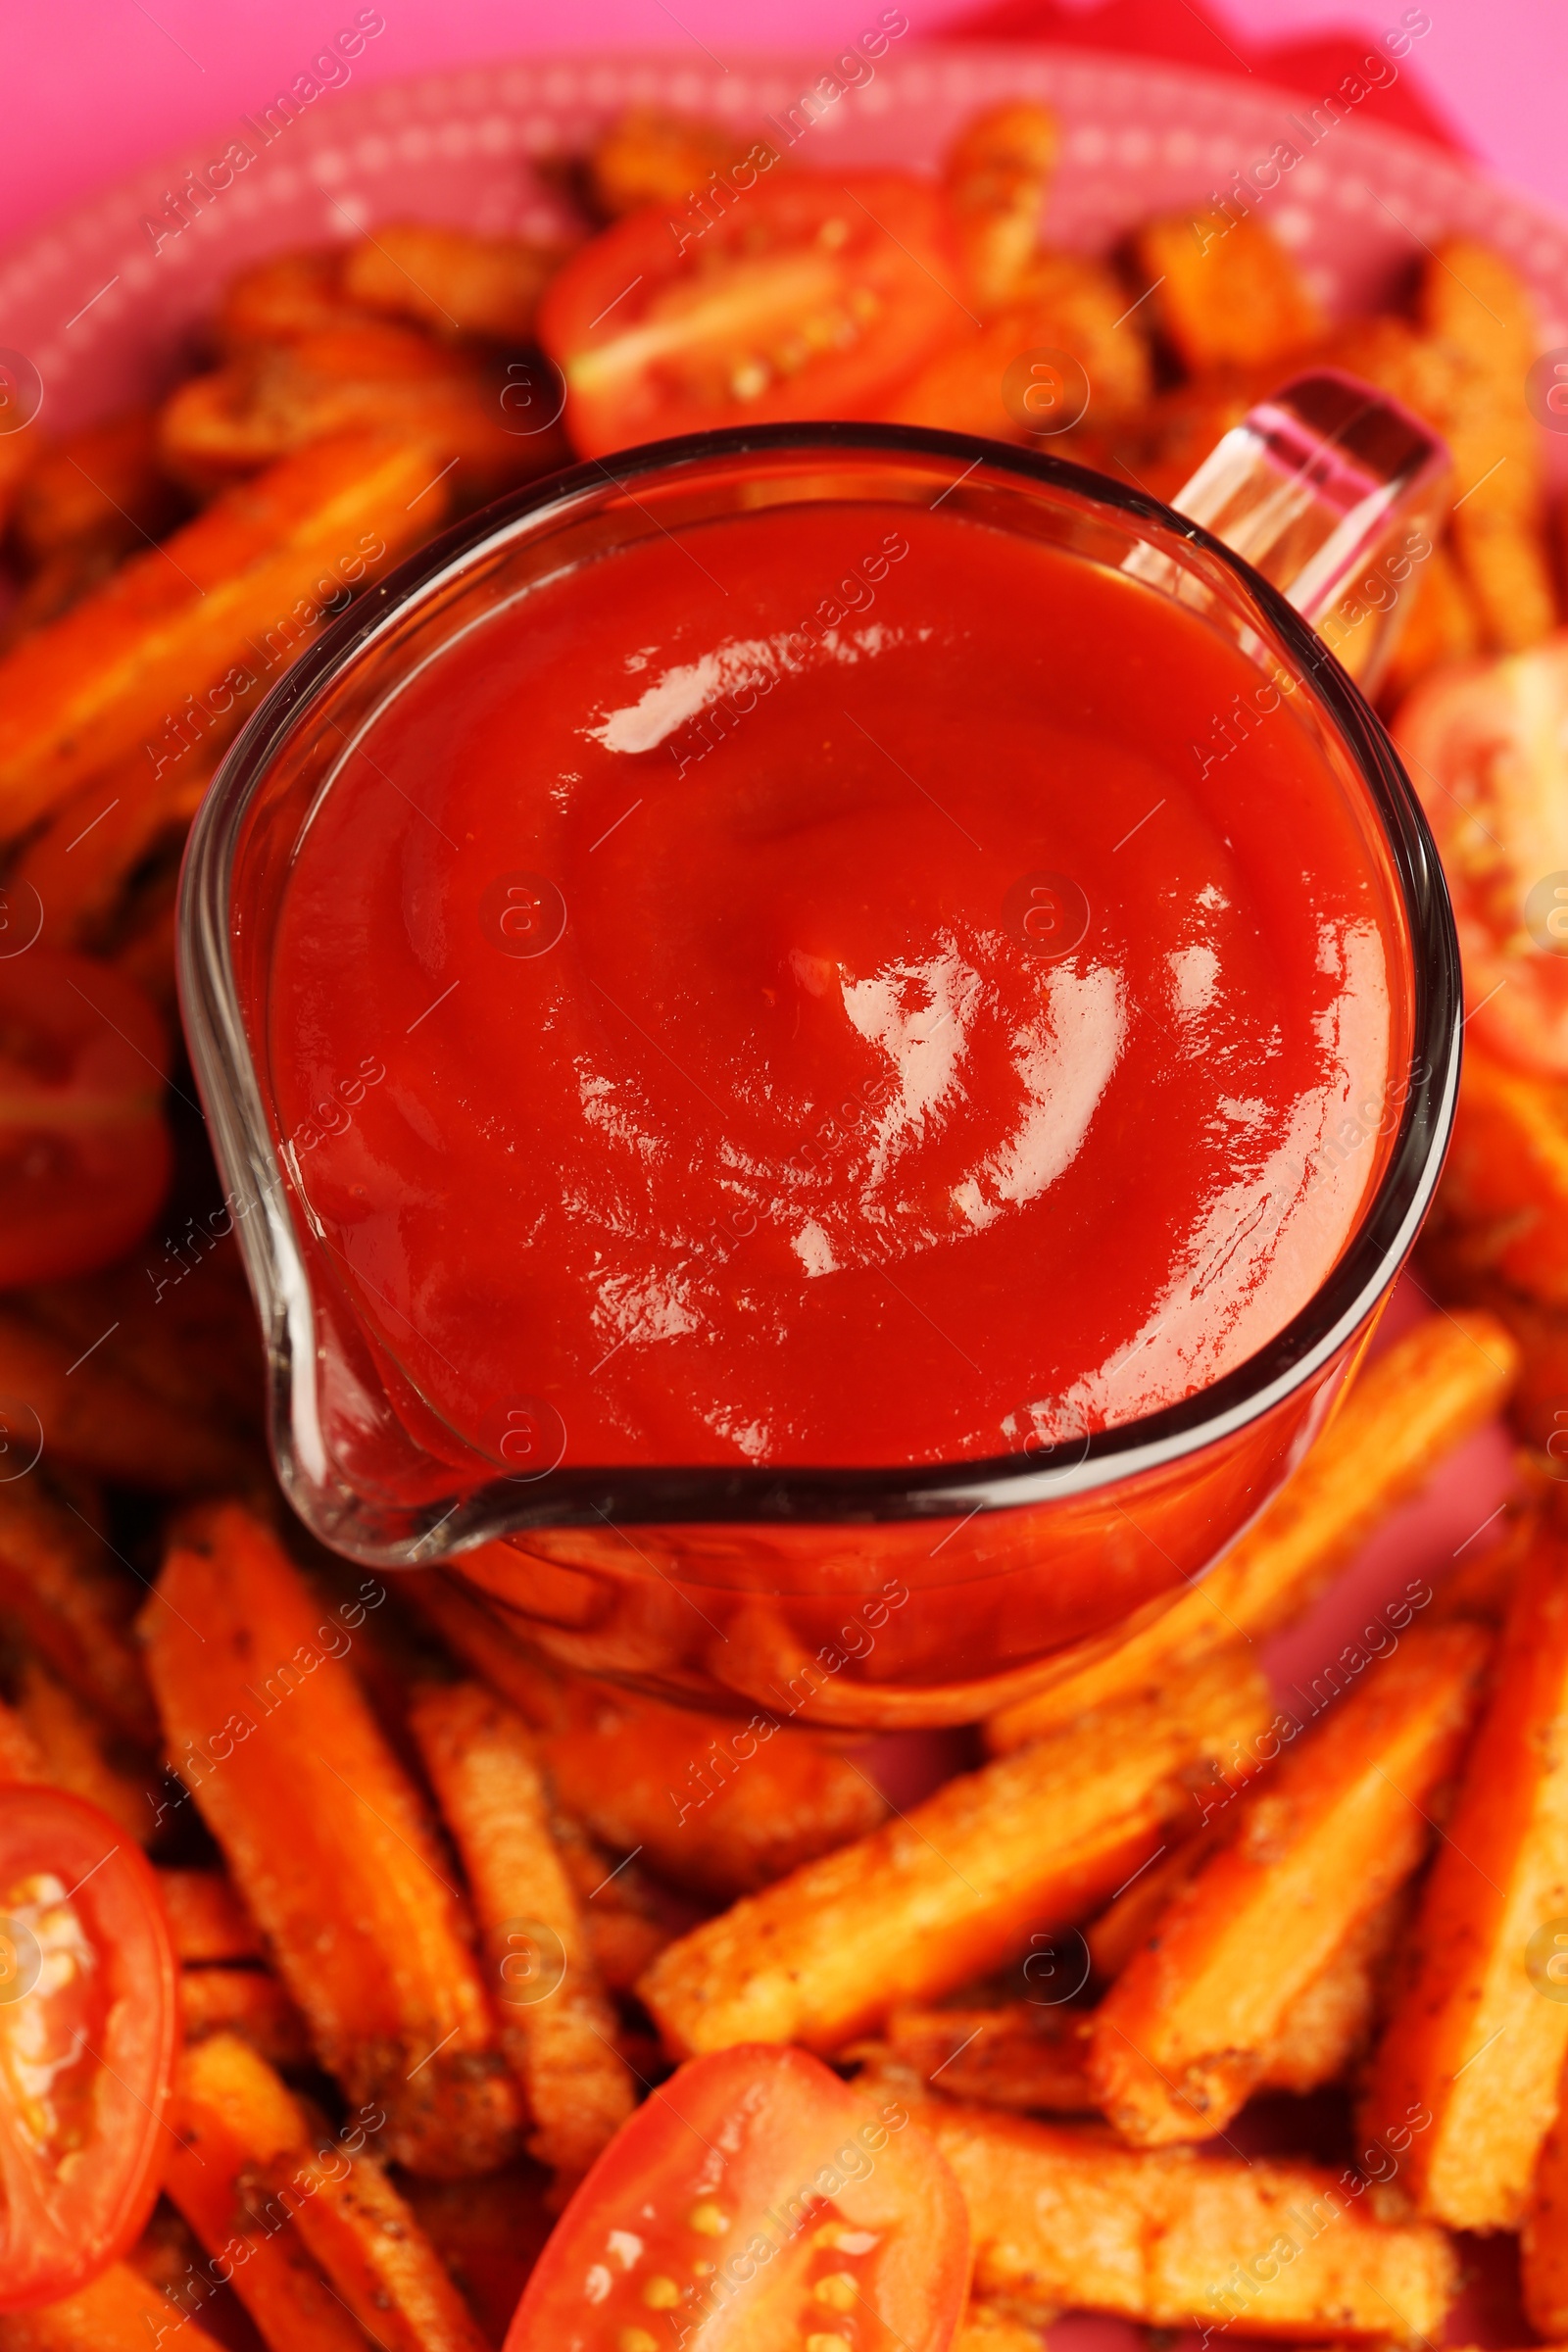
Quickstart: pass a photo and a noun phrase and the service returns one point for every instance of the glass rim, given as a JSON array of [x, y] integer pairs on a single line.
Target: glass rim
[[575, 1496]]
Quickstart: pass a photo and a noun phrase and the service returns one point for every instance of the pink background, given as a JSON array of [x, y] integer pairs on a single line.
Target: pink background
[[94, 87]]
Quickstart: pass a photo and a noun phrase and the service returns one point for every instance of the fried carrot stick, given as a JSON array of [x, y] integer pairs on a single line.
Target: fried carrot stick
[[997, 172], [1505, 1184], [1544, 2243], [373, 2250], [489, 2234], [120, 2311], [1126, 1924], [267, 557], [1019, 2056], [78, 1755], [207, 1918], [709, 1810], [233, 2118], [1473, 2051], [1064, 2214], [1184, 2036], [249, 2003], [100, 1419], [59, 1582], [558, 2028], [21, 1756], [1034, 1841], [1330, 2027], [101, 833], [1416, 1404], [101, 485], [284, 296], [1330, 2022], [266, 1724], [450, 282], [984, 2328], [1225, 293]]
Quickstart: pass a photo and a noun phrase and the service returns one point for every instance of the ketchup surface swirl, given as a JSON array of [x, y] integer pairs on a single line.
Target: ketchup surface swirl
[[839, 1005]]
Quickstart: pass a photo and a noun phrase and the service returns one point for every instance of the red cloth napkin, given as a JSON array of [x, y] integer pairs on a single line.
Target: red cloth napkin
[[1185, 33]]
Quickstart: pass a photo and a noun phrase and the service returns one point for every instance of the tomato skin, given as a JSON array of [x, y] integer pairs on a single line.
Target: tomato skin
[[1487, 748], [84, 1152], [56, 2235], [812, 297], [750, 2200]]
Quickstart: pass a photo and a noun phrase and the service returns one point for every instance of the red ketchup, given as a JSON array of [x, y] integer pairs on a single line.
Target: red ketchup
[[846, 997]]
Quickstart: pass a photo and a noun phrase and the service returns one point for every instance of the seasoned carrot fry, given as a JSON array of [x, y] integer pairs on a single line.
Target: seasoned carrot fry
[[1184, 2036], [1539, 1405], [280, 397], [119, 2312], [1443, 625], [99, 488], [1070, 303], [709, 1811], [1416, 1404], [450, 282], [189, 1336], [1544, 2243], [285, 296], [21, 1756], [79, 863], [1481, 1587], [652, 158], [249, 2003], [233, 2118], [318, 1820], [1330, 2027], [259, 568], [60, 1583], [619, 1916], [1329, 2024], [1160, 445], [984, 2328], [1064, 2216], [1224, 292], [1505, 1184], [105, 1422], [1035, 1840], [168, 2254], [1476, 306], [997, 172], [1472, 2044], [558, 2028], [1019, 2055], [61, 582], [78, 1753], [489, 2234], [1128, 1920], [207, 1918], [373, 2250]]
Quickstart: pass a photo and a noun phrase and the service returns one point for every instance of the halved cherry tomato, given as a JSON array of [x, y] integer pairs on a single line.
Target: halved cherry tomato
[[89, 2023], [85, 1154], [755, 2200], [809, 297], [1487, 748]]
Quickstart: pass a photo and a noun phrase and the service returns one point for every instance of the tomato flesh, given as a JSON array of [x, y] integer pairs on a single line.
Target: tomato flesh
[[90, 2019], [811, 297], [85, 1154], [755, 2202], [1487, 748]]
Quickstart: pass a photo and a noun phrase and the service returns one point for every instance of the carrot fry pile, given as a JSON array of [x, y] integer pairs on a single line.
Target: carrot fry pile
[[443, 1910]]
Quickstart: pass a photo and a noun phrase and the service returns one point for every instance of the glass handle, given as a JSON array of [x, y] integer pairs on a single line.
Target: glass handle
[[1336, 494]]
